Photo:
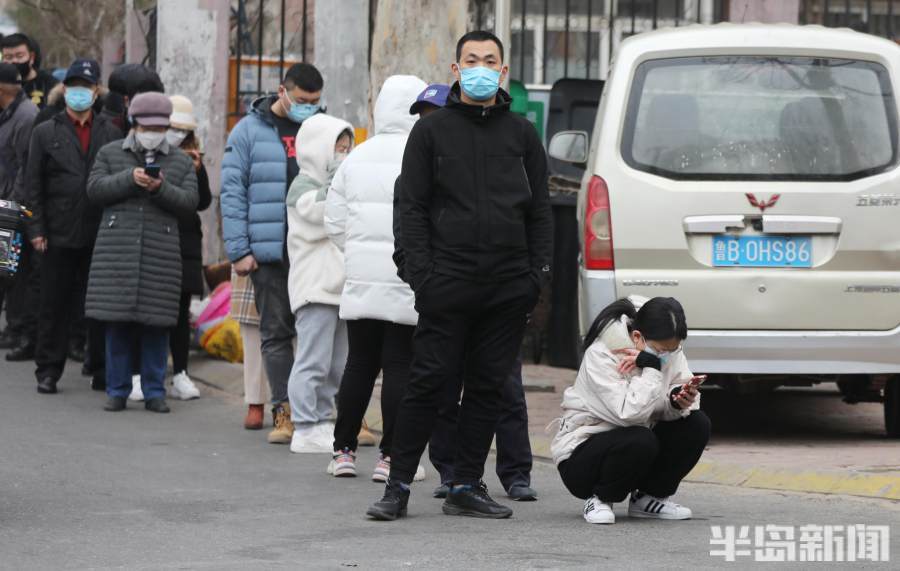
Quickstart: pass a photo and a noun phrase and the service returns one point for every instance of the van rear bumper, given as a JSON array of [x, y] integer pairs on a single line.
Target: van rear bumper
[[763, 352]]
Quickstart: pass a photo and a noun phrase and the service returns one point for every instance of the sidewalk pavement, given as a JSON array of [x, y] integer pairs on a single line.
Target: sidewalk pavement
[[802, 440]]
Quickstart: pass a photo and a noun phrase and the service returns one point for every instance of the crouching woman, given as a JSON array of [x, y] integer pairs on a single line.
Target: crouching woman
[[143, 185], [631, 423]]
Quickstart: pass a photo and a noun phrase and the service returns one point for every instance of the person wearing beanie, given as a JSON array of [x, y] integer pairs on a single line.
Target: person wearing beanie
[[64, 223], [181, 135], [144, 186]]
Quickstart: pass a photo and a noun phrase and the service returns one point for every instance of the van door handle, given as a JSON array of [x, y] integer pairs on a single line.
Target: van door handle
[[789, 224], [714, 224]]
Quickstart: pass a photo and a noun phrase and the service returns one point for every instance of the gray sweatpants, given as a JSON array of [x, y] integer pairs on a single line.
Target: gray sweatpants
[[319, 362]]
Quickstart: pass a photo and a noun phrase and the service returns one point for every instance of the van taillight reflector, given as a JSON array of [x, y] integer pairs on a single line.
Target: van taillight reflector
[[598, 244]]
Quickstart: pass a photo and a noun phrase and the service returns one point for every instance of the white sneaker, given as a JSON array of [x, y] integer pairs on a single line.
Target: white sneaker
[[183, 387], [647, 506], [382, 469], [136, 393], [304, 441], [599, 512], [420, 474], [343, 464], [325, 435]]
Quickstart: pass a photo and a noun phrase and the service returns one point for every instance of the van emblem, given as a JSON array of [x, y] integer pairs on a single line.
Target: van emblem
[[762, 204]]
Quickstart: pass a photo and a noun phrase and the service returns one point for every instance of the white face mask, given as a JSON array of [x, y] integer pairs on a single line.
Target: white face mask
[[150, 140], [176, 136]]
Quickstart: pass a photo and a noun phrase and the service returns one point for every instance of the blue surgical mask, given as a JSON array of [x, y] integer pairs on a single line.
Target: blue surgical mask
[[664, 356], [479, 83], [79, 99], [300, 112]]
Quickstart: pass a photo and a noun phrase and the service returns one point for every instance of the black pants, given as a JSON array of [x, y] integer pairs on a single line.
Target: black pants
[[610, 465], [23, 298], [180, 335], [179, 340], [513, 444], [480, 325], [276, 326], [374, 346], [64, 276]]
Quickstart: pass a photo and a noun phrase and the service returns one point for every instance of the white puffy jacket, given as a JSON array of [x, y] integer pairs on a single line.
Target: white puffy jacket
[[359, 210], [602, 398]]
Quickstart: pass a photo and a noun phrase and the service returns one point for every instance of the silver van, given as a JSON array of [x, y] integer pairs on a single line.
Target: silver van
[[751, 172]]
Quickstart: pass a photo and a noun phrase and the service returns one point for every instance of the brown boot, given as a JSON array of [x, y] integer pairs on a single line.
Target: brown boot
[[365, 437], [254, 418], [284, 428]]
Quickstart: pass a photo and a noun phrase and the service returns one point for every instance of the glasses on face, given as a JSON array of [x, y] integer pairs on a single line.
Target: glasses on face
[[669, 351]]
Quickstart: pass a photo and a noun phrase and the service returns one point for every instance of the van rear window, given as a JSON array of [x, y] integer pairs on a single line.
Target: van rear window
[[754, 117]]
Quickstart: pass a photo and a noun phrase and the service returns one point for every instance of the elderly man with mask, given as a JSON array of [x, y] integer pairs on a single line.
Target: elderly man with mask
[[64, 222], [144, 185]]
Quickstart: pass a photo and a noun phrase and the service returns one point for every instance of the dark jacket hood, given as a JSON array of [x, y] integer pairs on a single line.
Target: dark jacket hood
[[454, 101], [262, 107]]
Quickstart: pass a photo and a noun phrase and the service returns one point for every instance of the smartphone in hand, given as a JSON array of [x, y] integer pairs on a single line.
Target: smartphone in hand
[[152, 171], [695, 382]]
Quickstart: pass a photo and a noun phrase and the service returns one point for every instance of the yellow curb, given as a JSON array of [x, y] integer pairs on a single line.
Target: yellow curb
[[885, 486]]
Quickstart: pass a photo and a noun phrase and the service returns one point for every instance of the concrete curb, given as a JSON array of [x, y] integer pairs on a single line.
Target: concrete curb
[[228, 377]]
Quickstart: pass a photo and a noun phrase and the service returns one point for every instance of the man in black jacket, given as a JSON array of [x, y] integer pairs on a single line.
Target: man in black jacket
[[64, 223], [477, 239], [23, 52]]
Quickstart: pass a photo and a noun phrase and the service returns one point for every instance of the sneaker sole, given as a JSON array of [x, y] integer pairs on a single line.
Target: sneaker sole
[[379, 478], [450, 509], [278, 440], [642, 515], [311, 451], [344, 473], [600, 522], [384, 516]]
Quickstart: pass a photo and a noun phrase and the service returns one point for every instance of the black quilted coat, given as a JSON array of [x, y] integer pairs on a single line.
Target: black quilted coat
[[136, 268]]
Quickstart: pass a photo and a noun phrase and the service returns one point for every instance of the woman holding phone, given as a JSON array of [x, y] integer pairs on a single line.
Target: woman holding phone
[[632, 423]]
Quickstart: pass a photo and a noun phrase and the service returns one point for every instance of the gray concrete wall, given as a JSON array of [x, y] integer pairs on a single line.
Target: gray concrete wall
[[342, 55], [766, 11], [135, 41], [192, 48], [416, 38]]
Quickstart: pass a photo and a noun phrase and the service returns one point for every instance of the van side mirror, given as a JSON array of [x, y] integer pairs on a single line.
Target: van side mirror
[[569, 146]]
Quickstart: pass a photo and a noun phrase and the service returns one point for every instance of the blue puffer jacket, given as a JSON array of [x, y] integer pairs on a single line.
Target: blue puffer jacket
[[254, 187]]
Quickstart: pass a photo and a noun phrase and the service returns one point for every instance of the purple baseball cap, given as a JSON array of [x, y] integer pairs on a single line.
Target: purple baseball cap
[[435, 94]]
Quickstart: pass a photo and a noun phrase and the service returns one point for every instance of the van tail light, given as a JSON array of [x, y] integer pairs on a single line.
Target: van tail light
[[598, 243]]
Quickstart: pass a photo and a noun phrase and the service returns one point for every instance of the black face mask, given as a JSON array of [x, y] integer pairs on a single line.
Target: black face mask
[[24, 69]]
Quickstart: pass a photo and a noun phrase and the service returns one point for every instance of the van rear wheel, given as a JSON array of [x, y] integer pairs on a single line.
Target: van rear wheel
[[892, 407]]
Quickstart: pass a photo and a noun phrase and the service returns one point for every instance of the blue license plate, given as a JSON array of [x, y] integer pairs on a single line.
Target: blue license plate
[[762, 251]]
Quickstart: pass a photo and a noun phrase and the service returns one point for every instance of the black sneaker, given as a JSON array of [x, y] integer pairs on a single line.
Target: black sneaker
[[522, 493], [115, 404], [474, 501], [157, 405], [392, 505], [441, 491], [24, 352], [47, 386]]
